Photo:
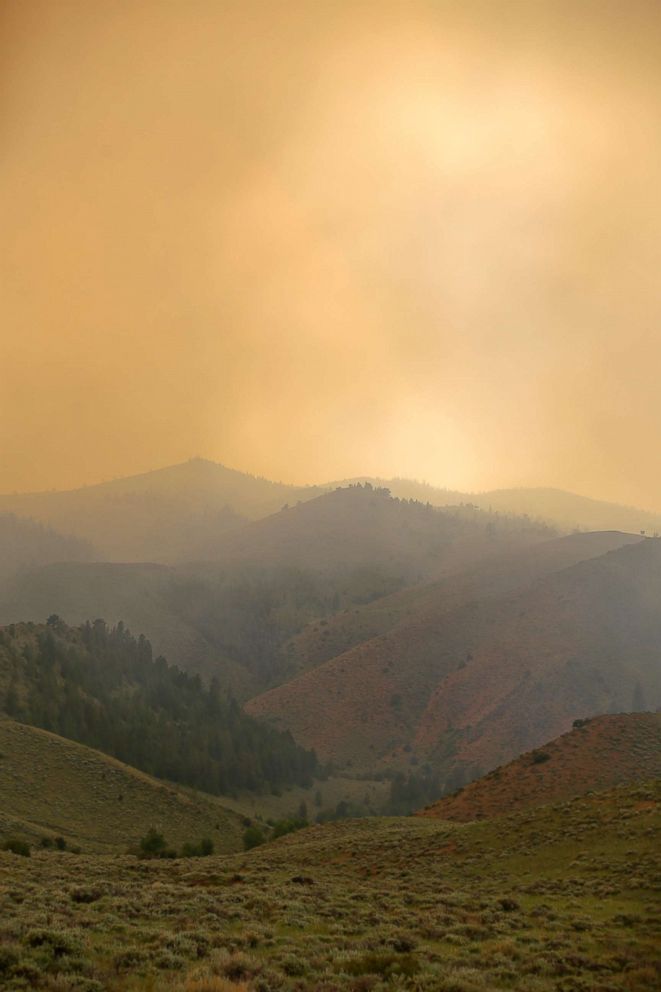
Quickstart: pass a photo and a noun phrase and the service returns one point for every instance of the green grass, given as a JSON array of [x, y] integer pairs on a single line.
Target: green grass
[[559, 899], [50, 786]]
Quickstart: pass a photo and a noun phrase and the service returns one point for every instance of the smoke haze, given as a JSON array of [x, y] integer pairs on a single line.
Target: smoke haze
[[313, 240]]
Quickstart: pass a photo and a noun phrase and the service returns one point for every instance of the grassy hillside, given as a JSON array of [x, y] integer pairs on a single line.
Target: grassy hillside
[[52, 787], [557, 899], [167, 515], [602, 752], [477, 684]]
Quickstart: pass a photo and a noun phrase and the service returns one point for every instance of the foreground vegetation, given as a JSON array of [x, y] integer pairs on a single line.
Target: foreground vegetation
[[556, 899]]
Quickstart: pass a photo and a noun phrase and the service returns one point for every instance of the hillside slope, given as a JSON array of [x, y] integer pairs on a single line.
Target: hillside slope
[[27, 544], [601, 753], [102, 687], [50, 786], [557, 899], [501, 574], [143, 596], [477, 684], [583, 641]]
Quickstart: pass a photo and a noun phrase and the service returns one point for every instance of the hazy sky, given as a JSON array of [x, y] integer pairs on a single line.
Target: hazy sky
[[317, 239]]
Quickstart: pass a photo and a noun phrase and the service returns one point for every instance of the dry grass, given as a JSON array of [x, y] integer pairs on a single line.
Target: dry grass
[[559, 899], [604, 752]]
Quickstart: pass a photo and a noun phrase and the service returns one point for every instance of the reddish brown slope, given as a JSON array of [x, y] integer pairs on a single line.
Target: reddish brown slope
[[479, 684], [498, 576], [604, 752], [576, 644]]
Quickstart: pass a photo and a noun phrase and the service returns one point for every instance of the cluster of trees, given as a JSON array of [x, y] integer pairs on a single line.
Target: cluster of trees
[[100, 686], [154, 845], [255, 834]]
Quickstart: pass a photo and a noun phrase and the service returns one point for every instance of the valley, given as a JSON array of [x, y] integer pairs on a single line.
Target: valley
[[209, 755]]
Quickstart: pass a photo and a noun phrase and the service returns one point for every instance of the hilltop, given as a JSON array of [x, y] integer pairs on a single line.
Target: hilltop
[[359, 526], [599, 753], [170, 514], [472, 681], [562, 509], [55, 787]]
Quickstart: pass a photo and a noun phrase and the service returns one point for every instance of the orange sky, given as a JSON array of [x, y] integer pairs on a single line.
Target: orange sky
[[317, 239]]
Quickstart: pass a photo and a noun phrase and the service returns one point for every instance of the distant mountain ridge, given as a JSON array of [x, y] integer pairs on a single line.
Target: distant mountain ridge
[[231, 614], [169, 514], [558, 507], [176, 513]]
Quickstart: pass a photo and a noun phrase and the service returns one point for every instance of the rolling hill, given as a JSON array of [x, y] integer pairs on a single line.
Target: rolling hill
[[598, 754], [55, 787], [473, 683], [365, 527], [547, 900]]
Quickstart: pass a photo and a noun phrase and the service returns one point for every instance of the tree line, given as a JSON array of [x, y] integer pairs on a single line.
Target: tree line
[[100, 686]]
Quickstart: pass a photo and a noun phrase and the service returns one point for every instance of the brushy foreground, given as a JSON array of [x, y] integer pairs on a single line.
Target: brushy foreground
[[558, 899]]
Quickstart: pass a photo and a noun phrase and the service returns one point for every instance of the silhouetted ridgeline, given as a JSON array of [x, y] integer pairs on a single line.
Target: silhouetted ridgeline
[[100, 686]]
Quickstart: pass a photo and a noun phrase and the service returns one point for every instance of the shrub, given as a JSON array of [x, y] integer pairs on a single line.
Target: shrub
[[17, 847], [152, 844], [386, 965], [85, 894], [282, 827], [201, 850], [59, 942], [539, 757], [252, 837], [9, 957]]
